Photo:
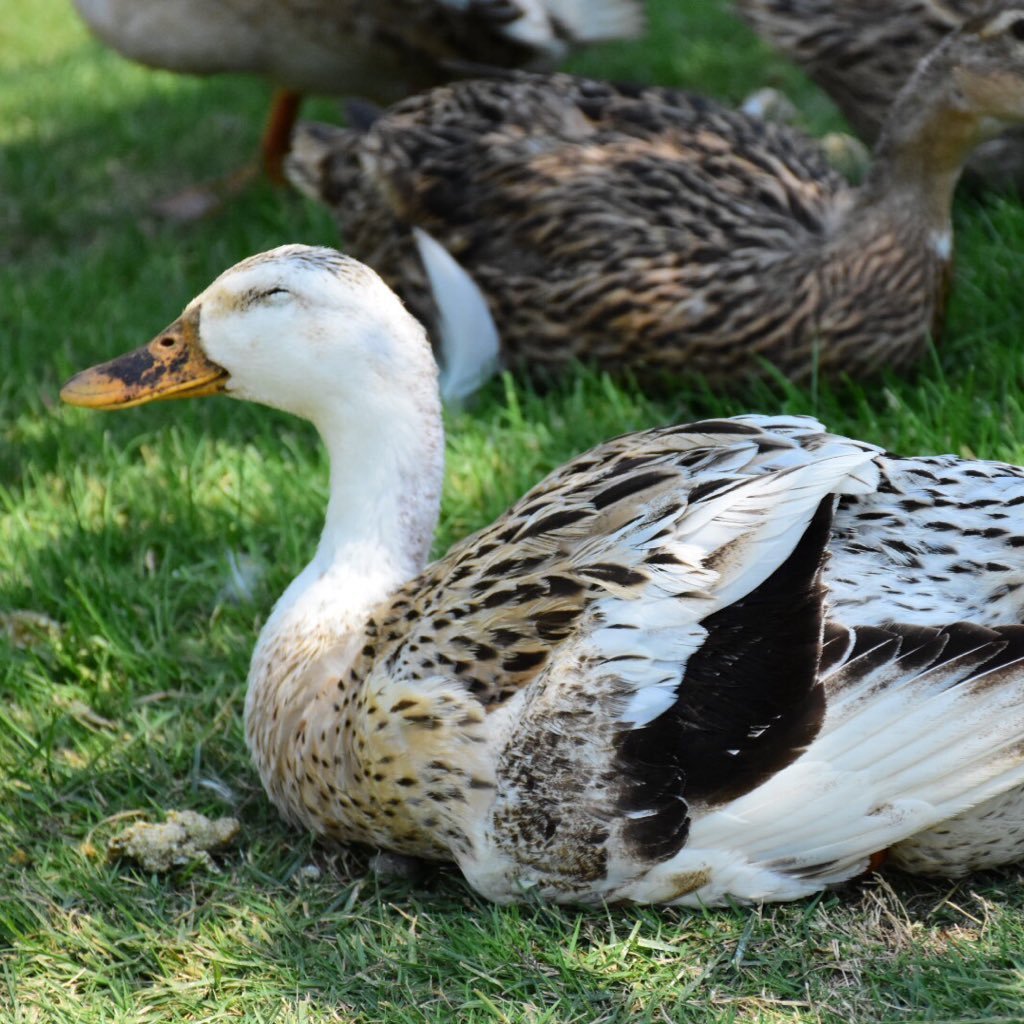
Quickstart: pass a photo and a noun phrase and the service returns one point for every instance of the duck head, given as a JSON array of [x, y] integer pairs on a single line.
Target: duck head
[[302, 329], [988, 66]]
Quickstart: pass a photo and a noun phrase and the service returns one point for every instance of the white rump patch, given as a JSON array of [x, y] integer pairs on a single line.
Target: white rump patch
[[469, 339], [941, 243]]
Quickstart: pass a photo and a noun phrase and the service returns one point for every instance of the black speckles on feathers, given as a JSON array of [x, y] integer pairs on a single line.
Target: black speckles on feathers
[[870, 587]]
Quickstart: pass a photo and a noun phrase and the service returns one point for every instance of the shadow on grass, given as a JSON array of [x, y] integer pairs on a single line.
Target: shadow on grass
[[346, 943], [263, 932]]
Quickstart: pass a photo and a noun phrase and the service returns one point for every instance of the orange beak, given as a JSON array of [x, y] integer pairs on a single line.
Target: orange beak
[[171, 366]]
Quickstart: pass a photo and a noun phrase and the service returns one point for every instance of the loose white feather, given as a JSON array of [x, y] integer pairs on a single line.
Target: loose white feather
[[469, 340]]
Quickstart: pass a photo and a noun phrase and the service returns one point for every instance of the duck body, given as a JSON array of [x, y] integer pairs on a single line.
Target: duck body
[[380, 50], [651, 230], [726, 659], [492, 704], [861, 53], [657, 230]]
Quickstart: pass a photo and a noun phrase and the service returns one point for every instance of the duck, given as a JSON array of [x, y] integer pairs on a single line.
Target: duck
[[657, 231], [734, 659], [862, 53], [378, 51]]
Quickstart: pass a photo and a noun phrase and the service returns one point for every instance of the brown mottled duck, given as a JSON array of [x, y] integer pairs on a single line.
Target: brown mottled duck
[[735, 659], [656, 230], [861, 52]]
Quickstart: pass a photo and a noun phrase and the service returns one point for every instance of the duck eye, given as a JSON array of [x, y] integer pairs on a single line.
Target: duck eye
[[1017, 29], [270, 292]]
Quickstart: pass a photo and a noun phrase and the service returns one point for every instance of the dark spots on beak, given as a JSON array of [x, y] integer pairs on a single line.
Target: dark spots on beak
[[144, 369], [137, 369]]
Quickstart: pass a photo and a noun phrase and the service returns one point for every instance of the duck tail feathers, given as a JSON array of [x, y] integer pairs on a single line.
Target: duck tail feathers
[[591, 21], [921, 724]]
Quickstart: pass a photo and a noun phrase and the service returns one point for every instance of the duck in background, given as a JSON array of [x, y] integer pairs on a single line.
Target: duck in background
[[378, 49], [733, 659], [861, 52], [654, 230]]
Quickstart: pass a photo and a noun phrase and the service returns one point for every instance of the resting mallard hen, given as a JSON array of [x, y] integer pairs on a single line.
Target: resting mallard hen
[[379, 50], [656, 230], [727, 659], [861, 52]]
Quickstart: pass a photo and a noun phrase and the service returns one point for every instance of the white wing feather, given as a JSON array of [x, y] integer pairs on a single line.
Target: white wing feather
[[894, 757]]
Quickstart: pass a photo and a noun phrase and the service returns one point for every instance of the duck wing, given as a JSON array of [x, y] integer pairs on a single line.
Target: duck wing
[[920, 724], [606, 528], [726, 739], [690, 691]]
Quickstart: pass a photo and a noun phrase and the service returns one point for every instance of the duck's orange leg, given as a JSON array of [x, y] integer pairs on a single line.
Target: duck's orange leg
[[876, 862], [277, 135]]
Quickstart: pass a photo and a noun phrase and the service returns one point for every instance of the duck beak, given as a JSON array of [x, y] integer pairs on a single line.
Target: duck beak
[[172, 365]]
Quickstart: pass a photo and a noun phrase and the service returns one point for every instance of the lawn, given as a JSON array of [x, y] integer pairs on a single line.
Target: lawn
[[155, 541]]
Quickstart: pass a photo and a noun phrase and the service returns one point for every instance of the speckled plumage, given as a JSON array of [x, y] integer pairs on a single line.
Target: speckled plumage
[[861, 52], [656, 230], [923, 548], [726, 659]]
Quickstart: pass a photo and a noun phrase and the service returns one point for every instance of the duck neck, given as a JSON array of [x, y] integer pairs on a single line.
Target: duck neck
[[927, 138], [385, 487], [385, 494]]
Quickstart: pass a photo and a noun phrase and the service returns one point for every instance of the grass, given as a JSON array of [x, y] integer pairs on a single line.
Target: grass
[[122, 531]]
